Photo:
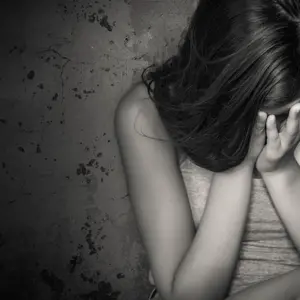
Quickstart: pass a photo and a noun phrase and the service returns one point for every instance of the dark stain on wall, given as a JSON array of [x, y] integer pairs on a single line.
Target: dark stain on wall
[[82, 170], [76, 259], [31, 75], [104, 292], [90, 279], [90, 243], [120, 276], [89, 11], [38, 149], [50, 279], [54, 98], [15, 48], [104, 23]]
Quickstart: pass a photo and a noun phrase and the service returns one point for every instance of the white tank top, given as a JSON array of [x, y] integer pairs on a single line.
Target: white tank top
[[266, 250]]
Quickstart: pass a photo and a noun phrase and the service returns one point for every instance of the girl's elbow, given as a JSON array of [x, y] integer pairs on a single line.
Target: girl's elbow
[[168, 292], [176, 292]]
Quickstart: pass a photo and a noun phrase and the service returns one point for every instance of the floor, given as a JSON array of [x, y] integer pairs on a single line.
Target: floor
[[67, 230]]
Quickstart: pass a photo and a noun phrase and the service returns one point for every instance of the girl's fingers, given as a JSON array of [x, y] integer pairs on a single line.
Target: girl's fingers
[[273, 139], [292, 125], [261, 122]]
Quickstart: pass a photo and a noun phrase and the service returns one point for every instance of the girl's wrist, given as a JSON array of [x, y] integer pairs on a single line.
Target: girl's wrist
[[244, 166], [248, 164], [287, 172]]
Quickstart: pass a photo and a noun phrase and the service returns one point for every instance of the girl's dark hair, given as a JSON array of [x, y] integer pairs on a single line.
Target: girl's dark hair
[[238, 57]]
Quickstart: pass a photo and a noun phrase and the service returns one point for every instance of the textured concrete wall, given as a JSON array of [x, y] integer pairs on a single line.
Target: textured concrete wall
[[67, 230]]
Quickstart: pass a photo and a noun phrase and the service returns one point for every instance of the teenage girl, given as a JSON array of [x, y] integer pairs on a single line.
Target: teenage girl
[[225, 107]]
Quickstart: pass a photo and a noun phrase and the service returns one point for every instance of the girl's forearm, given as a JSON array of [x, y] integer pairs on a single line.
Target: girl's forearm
[[284, 189], [207, 268]]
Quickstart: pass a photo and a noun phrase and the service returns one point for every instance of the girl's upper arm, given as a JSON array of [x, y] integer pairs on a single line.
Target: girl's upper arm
[[155, 185]]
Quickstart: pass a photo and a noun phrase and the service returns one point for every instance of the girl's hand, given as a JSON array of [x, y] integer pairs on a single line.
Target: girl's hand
[[257, 139], [278, 153]]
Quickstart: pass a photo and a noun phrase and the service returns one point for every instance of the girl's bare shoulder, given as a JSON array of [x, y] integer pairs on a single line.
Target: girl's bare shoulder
[[137, 106], [142, 101], [144, 117]]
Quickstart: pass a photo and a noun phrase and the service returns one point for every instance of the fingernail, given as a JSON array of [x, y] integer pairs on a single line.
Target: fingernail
[[297, 108], [272, 118], [262, 115]]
